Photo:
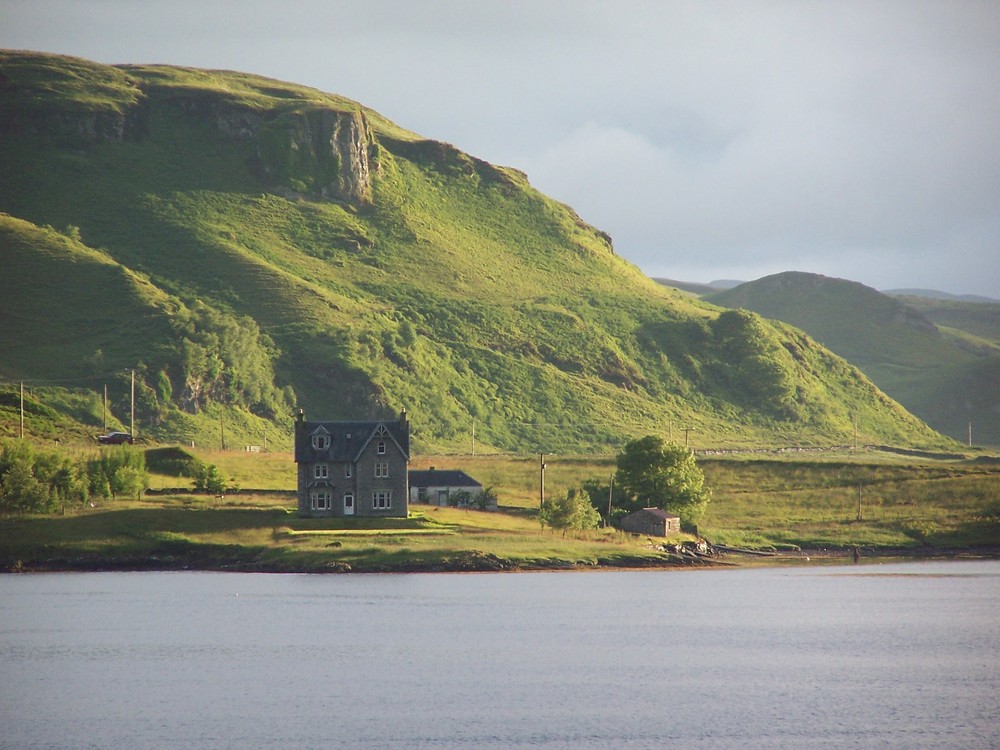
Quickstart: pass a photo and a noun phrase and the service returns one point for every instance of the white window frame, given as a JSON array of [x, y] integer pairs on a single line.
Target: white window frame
[[348, 501], [380, 447], [382, 500], [347, 470], [321, 441], [321, 471], [381, 469], [320, 499]]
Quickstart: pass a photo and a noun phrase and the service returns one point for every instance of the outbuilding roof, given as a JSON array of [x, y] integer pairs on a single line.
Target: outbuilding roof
[[442, 478], [655, 512]]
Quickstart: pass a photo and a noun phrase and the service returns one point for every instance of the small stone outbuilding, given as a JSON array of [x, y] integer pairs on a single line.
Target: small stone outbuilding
[[651, 522]]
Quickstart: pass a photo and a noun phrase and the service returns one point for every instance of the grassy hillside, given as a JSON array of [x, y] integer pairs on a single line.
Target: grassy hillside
[[272, 246], [965, 321], [938, 358]]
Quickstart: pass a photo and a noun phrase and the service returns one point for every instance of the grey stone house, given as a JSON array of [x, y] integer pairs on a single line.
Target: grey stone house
[[442, 487], [652, 522], [353, 468]]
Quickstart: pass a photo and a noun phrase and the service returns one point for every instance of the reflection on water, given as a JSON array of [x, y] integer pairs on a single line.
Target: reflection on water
[[894, 656]]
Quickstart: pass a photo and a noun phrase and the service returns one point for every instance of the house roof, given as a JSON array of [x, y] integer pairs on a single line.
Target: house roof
[[442, 478], [348, 439], [654, 512]]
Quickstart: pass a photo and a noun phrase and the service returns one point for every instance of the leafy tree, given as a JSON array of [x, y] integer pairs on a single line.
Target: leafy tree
[[571, 511], [486, 499], [657, 474], [34, 481], [118, 470], [208, 479], [20, 491]]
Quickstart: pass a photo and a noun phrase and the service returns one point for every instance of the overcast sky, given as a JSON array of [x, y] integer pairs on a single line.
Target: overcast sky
[[712, 140]]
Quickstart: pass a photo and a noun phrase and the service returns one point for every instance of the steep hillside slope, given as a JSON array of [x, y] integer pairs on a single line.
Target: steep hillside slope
[[946, 376], [370, 270]]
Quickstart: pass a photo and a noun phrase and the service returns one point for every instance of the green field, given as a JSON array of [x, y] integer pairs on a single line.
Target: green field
[[908, 504]]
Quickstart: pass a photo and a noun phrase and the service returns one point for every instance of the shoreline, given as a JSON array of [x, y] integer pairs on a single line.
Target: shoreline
[[480, 562]]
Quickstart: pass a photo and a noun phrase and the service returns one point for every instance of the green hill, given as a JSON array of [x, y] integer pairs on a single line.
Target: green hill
[[250, 246], [938, 358]]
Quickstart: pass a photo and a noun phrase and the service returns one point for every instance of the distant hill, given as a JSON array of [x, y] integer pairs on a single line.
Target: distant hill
[[934, 294], [688, 286], [948, 375], [249, 247]]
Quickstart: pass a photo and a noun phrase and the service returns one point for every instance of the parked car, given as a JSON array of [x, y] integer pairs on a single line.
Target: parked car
[[115, 438]]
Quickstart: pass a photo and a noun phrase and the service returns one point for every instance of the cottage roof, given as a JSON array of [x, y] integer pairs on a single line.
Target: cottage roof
[[442, 478], [348, 439], [653, 512]]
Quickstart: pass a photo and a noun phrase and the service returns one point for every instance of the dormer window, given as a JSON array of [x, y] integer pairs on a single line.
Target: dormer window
[[321, 440]]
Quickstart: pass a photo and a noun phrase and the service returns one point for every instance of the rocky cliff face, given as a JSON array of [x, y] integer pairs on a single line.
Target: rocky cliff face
[[320, 152], [311, 151]]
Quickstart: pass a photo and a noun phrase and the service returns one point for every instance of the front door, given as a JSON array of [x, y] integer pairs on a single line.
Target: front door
[[348, 504]]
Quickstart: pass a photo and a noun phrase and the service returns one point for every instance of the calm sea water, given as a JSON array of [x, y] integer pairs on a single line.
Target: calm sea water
[[867, 656]]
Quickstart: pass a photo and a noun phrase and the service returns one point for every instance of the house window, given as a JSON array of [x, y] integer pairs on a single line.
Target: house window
[[321, 441], [347, 470], [381, 447], [348, 503], [320, 499], [382, 500], [321, 471], [381, 469]]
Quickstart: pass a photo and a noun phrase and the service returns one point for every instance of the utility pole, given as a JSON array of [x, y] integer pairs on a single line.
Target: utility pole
[[611, 491], [855, 432], [22, 409], [541, 482], [105, 408], [473, 438], [131, 429], [686, 431], [222, 432], [859, 502], [970, 433]]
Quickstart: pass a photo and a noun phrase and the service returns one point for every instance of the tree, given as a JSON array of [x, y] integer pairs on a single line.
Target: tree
[[657, 474], [486, 499], [572, 511], [120, 470], [208, 479]]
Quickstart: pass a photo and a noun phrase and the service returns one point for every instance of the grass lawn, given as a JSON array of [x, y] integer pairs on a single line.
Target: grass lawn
[[771, 502]]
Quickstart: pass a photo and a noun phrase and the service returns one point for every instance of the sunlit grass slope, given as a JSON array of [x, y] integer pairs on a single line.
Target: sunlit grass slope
[[456, 291]]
